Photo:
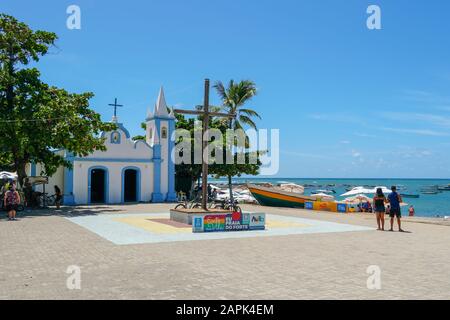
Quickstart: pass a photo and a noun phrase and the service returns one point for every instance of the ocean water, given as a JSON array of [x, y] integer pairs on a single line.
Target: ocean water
[[426, 205]]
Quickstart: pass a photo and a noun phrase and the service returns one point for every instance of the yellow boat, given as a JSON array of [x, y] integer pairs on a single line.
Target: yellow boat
[[273, 197]]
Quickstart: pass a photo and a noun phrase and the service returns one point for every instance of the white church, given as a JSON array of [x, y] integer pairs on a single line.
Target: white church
[[129, 171]]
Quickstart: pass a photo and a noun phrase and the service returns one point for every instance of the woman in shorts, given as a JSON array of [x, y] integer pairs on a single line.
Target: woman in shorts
[[12, 200], [379, 201]]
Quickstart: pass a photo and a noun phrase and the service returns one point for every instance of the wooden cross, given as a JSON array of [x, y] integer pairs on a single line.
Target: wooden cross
[[115, 105], [206, 115]]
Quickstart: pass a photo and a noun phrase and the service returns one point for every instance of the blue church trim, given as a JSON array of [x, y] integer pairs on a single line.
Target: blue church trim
[[33, 169], [33, 172], [106, 182], [68, 197], [119, 127], [171, 194], [141, 141], [157, 195], [114, 160], [138, 183]]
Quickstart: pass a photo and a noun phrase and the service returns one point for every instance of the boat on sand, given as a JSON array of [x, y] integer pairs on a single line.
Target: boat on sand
[[274, 197]]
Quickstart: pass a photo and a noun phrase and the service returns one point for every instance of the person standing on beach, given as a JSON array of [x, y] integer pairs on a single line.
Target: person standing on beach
[[395, 199], [378, 201]]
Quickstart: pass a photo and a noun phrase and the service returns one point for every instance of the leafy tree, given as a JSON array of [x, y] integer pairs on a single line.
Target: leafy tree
[[187, 173], [36, 118], [234, 97], [192, 172]]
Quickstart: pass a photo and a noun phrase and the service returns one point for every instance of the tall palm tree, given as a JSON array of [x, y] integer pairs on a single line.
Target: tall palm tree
[[234, 97]]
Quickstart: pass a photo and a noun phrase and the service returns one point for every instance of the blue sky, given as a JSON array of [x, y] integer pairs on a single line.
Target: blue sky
[[349, 102]]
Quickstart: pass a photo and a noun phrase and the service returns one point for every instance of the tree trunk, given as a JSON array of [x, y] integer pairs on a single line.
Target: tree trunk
[[21, 173], [230, 187]]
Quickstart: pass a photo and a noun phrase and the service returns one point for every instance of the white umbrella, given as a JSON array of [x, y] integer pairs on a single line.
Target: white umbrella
[[322, 196], [358, 198], [8, 175], [356, 191], [292, 187], [383, 188]]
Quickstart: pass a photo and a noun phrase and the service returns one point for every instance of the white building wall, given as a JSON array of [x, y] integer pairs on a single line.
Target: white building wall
[[114, 189]]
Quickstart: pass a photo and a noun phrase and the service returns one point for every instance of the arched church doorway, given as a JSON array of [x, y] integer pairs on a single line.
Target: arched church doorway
[[130, 185], [98, 185]]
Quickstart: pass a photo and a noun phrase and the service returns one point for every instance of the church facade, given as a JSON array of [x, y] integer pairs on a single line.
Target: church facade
[[128, 171]]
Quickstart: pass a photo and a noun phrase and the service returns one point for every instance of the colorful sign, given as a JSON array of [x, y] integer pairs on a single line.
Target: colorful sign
[[342, 207], [214, 223], [257, 221], [235, 221], [326, 206]]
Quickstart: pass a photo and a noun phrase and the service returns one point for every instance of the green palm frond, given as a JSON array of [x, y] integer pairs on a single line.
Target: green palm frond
[[250, 113], [247, 121], [233, 97]]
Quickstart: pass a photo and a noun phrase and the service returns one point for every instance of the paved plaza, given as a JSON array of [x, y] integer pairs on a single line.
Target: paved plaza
[[132, 252], [123, 229]]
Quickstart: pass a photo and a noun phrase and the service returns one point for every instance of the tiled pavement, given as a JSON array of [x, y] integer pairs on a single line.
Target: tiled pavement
[[37, 250]]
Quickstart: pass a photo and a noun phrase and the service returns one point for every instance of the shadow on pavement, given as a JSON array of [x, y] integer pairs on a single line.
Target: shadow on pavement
[[63, 212]]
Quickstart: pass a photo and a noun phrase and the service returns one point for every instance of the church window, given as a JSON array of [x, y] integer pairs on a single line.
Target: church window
[[115, 137], [150, 133], [164, 133]]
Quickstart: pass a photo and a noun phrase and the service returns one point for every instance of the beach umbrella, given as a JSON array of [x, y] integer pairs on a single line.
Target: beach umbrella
[[322, 196], [8, 175], [357, 190], [357, 199], [292, 187], [383, 188]]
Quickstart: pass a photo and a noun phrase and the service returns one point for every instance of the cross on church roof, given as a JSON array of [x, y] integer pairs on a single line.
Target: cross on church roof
[[115, 105]]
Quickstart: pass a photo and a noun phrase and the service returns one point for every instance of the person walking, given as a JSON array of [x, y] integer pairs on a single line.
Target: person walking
[[58, 198], [379, 201], [11, 201], [394, 200]]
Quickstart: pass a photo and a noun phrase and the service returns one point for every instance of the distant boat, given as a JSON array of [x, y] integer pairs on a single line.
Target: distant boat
[[325, 191], [430, 192], [410, 195], [273, 197], [444, 188]]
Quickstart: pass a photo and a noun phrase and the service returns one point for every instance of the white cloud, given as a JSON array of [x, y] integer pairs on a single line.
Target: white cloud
[[422, 132], [438, 120], [356, 154], [338, 117], [365, 135]]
